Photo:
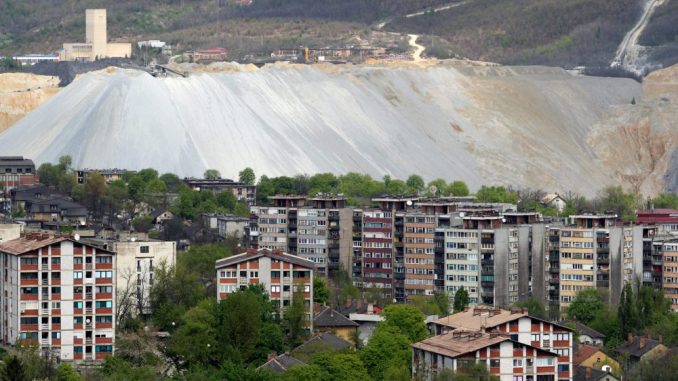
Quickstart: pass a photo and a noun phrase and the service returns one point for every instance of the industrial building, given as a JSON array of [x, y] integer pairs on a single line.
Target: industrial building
[[96, 45]]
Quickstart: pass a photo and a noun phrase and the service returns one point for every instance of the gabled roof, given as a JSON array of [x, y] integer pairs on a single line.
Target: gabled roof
[[588, 331], [254, 254], [633, 348], [479, 317], [324, 340], [583, 353], [31, 242], [66, 206], [280, 364], [328, 317], [460, 342]]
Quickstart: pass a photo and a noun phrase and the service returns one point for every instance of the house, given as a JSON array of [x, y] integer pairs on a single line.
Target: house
[[508, 359], [593, 357], [241, 191], [23, 196], [319, 342], [366, 315], [58, 294], [160, 216], [588, 335], [16, 171], [583, 373], [227, 225], [280, 363], [57, 209], [641, 348], [329, 320], [555, 201], [281, 274], [520, 327]]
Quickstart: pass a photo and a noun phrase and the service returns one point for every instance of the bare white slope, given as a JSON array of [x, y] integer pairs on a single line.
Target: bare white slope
[[524, 126]]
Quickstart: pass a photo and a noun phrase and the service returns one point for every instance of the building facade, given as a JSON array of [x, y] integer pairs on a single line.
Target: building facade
[[670, 272], [241, 191], [281, 274], [16, 171], [96, 45], [58, 294]]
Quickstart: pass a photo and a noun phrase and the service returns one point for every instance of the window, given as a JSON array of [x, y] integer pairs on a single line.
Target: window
[[517, 363], [56, 261], [29, 261], [56, 305], [543, 361], [77, 274], [517, 378], [535, 337], [104, 259], [494, 363], [144, 249], [563, 367], [254, 274], [29, 290], [29, 320], [56, 335], [77, 260], [77, 305], [104, 289], [104, 319], [56, 320], [103, 304], [307, 288], [561, 337], [104, 348], [77, 320], [77, 349], [104, 274], [275, 274]]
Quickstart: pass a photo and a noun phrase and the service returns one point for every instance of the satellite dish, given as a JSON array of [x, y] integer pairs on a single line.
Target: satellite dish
[[76, 237], [503, 220], [606, 368], [409, 202], [88, 321], [433, 189], [462, 214], [133, 239]]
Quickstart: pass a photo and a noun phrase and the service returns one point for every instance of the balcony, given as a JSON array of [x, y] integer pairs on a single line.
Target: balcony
[[554, 270]]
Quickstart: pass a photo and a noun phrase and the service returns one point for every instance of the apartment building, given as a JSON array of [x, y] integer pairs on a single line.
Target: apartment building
[[318, 229], [16, 171], [505, 358], [137, 259], [519, 326], [415, 254], [377, 251], [666, 220], [462, 263], [670, 272], [241, 191], [59, 294], [281, 274]]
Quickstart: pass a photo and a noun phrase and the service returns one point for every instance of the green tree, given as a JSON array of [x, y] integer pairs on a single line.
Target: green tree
[[629, 321], [496, 194], [321, 294], [212, 174], [534, 307], [14, 370], [341, 366], [461, 299], [397, 187], [194, 342], [388, 348], [294, 318], [306, 373], [623, 204], [246, 176], [65, 163], [172, 182], [666, 200], [65, 372], [415, 183], [586, 305], [143, 223], [265, 189], [95, 193], [175, 290], [439, 185], [458, 188], [117, 369], [442, 300], [407, 319]]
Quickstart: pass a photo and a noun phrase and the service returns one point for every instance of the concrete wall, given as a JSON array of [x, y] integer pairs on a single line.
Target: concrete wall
[[95, 31], [346, 238], [616, 264], [9, 232], [538, 250], [524, 233], [501, 257]]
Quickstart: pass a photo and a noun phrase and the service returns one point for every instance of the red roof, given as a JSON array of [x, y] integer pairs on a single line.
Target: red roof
[[583, 353], [658, 216]]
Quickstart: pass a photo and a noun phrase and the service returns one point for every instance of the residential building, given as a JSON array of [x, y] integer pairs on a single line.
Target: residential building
[[505, 358], [329, 320], [96, 45], [376, 254], [16, 171], [319, 232], [137, 260], [10, 231], [57, 209], [637, 348], [583, 373], [109, 175], [554, 200], [588, 335], [228, 225], [669, 251], [666, 220], [320, 342], [281, 274], [22, 197], [462, 265], [594, 357], [280, 363], [59, 294], [518, 324], [241, 191], [414, 254]]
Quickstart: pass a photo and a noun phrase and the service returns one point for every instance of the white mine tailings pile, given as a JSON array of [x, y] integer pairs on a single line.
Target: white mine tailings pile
[[527, 126]]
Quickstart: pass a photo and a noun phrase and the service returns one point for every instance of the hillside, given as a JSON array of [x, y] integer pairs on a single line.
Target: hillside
[[479, 124], [552, 32]]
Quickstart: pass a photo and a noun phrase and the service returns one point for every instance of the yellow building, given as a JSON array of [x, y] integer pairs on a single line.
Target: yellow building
[[329, 320], [593, 357], [96, 45]]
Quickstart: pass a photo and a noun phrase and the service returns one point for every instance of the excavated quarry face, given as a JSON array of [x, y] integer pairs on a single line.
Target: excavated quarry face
[[526, 126], [20, 93]]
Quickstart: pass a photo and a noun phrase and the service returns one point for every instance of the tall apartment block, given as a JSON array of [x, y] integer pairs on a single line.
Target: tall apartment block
[[58, 294], [281, 274], [320, 232], [670, 272], [374, 254]]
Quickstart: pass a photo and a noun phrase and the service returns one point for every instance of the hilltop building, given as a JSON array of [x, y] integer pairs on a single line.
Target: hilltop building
[[96, 45]]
